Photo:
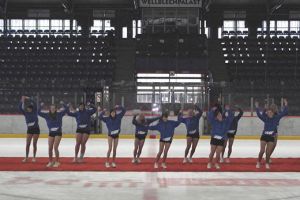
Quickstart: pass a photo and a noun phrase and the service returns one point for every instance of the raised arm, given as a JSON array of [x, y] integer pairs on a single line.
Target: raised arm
[[123, 111], [134, 122], [210, 115], [229, 115], [40, 113], [102, 117], [284, 111], [64, 111], [92, 109], [21, 106], [240, 114], [180, 117], [33, 103], [72, 114], [260, 115], [200, 112]]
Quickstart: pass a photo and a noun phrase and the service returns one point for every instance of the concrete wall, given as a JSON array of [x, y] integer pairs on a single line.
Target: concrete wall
[[247, 125]]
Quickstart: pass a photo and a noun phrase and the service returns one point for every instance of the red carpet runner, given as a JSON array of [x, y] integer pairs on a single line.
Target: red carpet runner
[[173, 164]]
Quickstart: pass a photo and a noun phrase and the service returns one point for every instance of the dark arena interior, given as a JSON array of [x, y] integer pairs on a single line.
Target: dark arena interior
[[154, 72]]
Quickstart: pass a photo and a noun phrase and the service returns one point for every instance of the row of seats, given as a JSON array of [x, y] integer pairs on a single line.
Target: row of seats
[[32, 37], [259, 39], [263, 66], [261, 32], [51, 72], [25, 31]]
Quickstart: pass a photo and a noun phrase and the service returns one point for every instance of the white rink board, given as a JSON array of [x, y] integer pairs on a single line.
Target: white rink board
[[247, 125]]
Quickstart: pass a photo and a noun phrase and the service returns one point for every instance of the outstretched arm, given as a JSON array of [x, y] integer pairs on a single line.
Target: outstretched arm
[[154, 128], [176, 123], [151, 120]]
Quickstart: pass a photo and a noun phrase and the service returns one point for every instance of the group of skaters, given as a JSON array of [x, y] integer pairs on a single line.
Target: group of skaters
[[223, 120]]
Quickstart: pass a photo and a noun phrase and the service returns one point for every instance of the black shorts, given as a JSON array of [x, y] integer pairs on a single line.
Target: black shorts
[[140, 136], [169, 142], [230, 135], [195, 135], [216, 142], [33, 130], [53, 134], [267, 138], [114, 136], [83, 130]]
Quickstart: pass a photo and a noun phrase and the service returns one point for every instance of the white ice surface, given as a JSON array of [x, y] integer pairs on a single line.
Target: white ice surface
[[148, 185]]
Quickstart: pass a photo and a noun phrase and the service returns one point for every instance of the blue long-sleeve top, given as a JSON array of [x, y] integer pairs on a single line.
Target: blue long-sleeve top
[[220, 128], [191, 123], [271, 124], [142, 128], [31, 118], [113, 124], [54, 122], [83, 117], [166, 129], [235, 121]]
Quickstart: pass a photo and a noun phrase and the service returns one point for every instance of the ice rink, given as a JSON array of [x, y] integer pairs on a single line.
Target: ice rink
[[148, 185]]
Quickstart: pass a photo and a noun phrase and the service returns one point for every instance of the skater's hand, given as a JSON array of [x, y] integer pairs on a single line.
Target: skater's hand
[[285, 102], [256, 104], [42, 104], [214, 108]]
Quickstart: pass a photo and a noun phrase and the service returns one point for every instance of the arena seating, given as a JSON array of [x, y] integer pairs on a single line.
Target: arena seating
[[263, 66], [169, 51], [46, 65]]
